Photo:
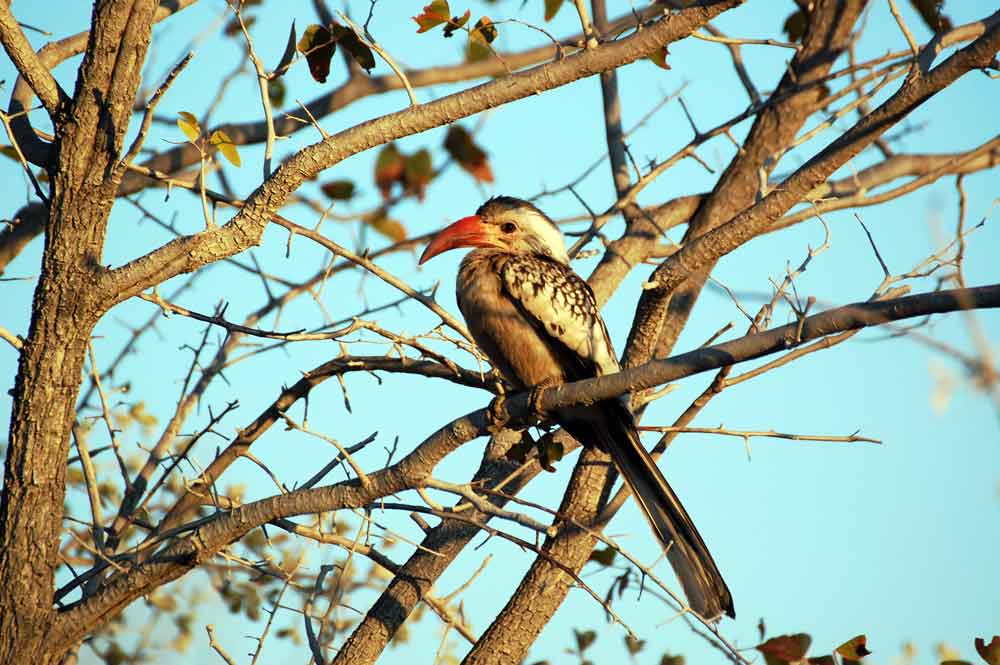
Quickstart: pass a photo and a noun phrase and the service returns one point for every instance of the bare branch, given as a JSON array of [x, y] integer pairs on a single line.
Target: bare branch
[[28, 64], [246, 228]]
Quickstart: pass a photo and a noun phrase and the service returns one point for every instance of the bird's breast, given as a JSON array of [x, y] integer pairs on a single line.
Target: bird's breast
[[502, 331]]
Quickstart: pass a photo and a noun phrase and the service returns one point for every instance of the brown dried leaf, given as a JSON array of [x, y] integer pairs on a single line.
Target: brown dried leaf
[[659, 57], [785, 648], [605, 557], [989, 652], [931, 11], [552, 8], [584, 638], [469, 156], [433, 15], [390, 228], [390, 166], [795, 26], [418, 172], [286, 57], [456, 22], [318, 46]]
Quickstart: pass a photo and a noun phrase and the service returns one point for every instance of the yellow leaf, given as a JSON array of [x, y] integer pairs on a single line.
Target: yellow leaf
[[189, 125], [855, 648], [226, 146], [484, 31], [389, 227]]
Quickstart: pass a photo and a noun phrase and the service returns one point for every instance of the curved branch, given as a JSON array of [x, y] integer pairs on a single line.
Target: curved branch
[[359, 87], [776, 126], [214, 534], [246, 228], [708, 248], [35, 150], [28, 64]]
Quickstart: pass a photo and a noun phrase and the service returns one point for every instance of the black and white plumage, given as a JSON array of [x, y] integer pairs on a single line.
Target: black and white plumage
[[539, 324]]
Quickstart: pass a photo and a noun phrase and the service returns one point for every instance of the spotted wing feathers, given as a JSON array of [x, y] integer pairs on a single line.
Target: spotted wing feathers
[[563, 305]]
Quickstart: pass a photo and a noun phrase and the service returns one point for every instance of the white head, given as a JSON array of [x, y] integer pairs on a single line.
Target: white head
[[503, 222]]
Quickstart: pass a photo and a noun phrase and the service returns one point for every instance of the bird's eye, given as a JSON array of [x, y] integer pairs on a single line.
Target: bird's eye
[[508, 227]]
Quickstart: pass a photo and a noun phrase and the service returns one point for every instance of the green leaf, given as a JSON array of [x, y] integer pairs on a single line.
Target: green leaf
[[276, 91], [339, 190], [189, 125], [584, 639], [226, 146], [390, 166], [604, 557], [286, 57], [634, 644], [433, 15], [418, 172], [352, 43], [318, 46]]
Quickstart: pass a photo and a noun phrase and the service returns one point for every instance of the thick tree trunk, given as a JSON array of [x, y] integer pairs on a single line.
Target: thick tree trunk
[[45, 394], [84, 174]]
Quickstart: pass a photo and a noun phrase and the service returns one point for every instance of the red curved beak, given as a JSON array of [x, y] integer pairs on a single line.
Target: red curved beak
[[466, 232]]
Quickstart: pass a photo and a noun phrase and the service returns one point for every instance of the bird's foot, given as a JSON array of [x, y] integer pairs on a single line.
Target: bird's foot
[[497, 414], [535, 398]]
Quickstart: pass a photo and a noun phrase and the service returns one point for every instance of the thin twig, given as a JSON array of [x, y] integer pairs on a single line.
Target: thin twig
[[210, 629], [747, 434], [147, 116], [14, 340]]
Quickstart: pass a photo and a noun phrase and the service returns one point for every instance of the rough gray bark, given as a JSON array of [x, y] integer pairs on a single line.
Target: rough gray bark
[[90, 130], [830, 26]]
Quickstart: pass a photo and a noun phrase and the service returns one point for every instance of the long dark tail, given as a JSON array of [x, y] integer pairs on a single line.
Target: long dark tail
[[614, 431]]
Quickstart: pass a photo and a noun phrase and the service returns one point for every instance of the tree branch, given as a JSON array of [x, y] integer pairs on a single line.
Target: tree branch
[[246, 227], [212, 535], [706, 249], [27, 62], [828, 33]]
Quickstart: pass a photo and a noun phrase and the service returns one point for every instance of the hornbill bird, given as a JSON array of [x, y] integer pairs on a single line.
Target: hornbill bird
[[538, 323]]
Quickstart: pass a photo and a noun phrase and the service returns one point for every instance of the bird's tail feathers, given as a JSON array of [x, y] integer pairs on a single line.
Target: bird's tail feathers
[[700, 578]]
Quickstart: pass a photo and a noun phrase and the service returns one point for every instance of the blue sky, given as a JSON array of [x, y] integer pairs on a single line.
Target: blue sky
[[897, 541]]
